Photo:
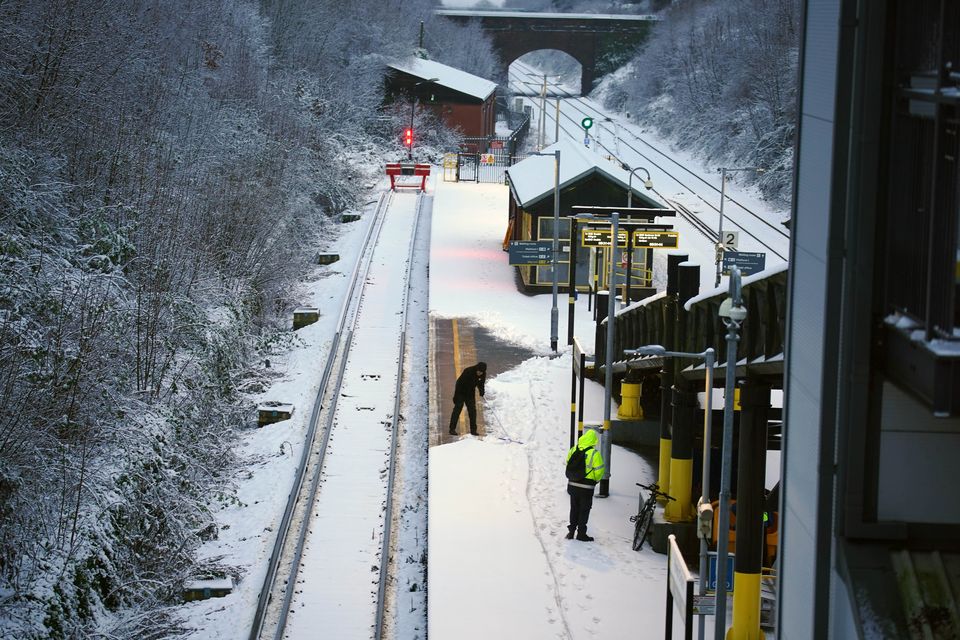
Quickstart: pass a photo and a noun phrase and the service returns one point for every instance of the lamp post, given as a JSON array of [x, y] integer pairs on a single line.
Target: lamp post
[[723, 184], [554, 313], [705, 516], [648, 183], [733, 313], [605, 445], [413, 102]]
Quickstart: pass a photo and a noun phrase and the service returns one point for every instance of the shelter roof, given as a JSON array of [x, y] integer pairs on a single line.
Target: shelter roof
[[447, 76], [532, 179]]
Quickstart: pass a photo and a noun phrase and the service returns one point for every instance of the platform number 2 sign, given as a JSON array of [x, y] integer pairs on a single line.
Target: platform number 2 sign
[[730, 240]]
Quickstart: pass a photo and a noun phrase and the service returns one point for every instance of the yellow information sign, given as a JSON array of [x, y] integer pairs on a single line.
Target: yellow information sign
[[647, 239], [642, 238], [597, 237]]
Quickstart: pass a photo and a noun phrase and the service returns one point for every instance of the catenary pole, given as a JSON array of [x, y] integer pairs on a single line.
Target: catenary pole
[[556, 133], [723, 187]]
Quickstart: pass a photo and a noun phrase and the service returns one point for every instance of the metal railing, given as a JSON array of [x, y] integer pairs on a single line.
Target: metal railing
[[762, 334]]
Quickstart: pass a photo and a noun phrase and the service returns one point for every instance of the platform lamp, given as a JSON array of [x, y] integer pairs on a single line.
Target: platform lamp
[[556, 243], [413, 102]]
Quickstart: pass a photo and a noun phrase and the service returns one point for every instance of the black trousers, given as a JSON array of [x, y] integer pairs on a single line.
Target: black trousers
[[580, 502], [458, 404]]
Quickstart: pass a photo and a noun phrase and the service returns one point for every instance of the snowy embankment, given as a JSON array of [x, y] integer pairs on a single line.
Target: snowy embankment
[[247, 525]]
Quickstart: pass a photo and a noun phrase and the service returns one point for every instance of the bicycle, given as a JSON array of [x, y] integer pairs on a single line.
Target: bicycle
[[644, 516]]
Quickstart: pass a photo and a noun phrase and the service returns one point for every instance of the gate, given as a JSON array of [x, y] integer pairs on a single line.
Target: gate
[[492, 165], [489, 167], [468, 165]]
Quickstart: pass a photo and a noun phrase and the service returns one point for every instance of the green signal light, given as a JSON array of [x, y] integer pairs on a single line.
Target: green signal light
[[587, 122]]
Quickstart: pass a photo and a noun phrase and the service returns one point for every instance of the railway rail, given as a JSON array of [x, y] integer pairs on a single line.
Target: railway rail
[[571, 125], [336, 528]]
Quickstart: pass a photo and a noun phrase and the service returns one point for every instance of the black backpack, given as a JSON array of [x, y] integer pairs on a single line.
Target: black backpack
[[577, 466]]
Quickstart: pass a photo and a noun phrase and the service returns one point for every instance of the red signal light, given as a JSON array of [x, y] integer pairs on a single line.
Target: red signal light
[[408, 137]]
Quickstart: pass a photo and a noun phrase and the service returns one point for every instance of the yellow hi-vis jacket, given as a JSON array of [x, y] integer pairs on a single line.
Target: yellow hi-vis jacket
[[594, 461]]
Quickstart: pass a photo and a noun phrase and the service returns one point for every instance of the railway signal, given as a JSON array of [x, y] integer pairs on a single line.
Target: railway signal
[[586, 123], [408, 138]]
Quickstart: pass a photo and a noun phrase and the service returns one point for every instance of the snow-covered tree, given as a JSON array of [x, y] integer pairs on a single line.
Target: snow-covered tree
[[166, 168], [720, 78]]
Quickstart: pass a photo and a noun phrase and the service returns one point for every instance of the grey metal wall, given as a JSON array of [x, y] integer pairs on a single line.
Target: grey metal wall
[[801, 515]]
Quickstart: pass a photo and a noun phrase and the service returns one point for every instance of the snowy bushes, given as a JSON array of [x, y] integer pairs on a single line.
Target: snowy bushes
[[165, 173], [465, 47], [720, 78]]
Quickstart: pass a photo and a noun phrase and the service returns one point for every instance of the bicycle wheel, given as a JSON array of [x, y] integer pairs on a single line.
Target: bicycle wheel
[[641, 528]]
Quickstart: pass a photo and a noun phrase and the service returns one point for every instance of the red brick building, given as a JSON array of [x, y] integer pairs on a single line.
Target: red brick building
[[462, 100]]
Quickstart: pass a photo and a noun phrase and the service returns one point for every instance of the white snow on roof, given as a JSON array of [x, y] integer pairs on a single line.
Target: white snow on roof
[[533, 178], [551, 16], [449, 77], [707, 293]]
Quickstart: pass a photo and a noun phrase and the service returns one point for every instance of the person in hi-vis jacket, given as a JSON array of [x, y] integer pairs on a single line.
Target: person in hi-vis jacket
[[581, 491]]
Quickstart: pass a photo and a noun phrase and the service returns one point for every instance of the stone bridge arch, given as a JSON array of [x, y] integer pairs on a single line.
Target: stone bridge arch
[[599, 42], [584, 53]]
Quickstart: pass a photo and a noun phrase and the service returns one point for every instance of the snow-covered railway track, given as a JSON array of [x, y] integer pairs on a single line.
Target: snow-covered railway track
[[585, 107], [328, 573], [699, 225]]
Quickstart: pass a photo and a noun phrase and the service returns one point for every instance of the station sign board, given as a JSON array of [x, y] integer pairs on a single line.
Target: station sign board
[[531, 252], [705, 605], [650, 239], [642, 238], [712, 571], [731, 240], [748, 263], [600, 237]]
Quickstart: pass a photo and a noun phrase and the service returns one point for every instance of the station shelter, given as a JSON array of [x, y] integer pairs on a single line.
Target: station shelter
[[461, 100], [586, 179]]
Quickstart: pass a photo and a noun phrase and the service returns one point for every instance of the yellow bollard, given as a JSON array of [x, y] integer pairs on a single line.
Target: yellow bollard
[[746, 608], [663, 477], [630, 408], [681, 487]]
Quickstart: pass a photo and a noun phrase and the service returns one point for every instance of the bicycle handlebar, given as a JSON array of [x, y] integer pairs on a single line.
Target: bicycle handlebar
[[655, 489]]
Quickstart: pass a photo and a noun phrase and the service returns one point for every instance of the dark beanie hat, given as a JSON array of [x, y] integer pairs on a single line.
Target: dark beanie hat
[[482, 366]]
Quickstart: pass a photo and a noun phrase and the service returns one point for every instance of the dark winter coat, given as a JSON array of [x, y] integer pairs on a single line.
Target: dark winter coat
[[472, 378]]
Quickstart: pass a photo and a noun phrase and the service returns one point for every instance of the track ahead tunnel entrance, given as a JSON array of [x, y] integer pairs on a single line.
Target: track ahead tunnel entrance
[[599, 42]]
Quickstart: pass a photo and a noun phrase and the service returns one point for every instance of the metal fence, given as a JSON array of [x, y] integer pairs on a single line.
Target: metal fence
[[490, 167], [485, 159]]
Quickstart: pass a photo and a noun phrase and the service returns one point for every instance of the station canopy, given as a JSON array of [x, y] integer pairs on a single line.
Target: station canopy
[[532, 179]]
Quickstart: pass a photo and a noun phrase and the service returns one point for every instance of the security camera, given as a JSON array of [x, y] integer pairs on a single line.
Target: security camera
[[727, 310]]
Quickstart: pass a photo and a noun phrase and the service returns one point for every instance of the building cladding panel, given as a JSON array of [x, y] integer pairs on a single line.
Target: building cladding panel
[[473, 120], [804, 365]]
